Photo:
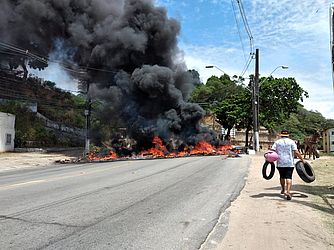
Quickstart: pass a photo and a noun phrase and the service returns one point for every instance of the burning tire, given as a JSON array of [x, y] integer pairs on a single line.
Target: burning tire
[[305, 171], [264, 170]]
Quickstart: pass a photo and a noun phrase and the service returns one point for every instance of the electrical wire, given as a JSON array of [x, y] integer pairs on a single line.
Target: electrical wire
[[50, 105], [249, 33], [248, 30], [19, 52], [20, 82], [16, 94], [45, 59], [246, 66], [19, 49], [238, 27]]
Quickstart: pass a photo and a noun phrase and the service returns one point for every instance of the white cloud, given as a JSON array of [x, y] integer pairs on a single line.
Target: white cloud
[[293, 33], [296, 21], [321, 93], [228, 59]]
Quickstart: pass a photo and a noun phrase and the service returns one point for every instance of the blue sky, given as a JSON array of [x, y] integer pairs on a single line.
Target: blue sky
[[293, 33]]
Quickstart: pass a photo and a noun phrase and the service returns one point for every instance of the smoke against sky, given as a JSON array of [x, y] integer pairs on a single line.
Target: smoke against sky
[[141, 80]]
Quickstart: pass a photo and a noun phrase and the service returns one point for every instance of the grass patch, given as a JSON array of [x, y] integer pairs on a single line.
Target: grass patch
[[322, 189]]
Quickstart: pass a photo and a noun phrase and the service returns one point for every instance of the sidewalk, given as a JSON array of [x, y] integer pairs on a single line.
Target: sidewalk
[[10, 161], [261, 218]]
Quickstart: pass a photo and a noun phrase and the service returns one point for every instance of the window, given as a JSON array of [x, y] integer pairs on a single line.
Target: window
[[332, 142], [8, 138], [332, 132]]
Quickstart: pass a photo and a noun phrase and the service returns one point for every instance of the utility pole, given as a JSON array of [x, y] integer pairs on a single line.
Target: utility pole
[[331, 24], [255, 104], [87, 115]]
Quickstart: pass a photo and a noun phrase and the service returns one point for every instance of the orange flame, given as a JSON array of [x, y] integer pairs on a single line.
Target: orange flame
[[224, 149], [203, 148], [93, 157], [159, 151]]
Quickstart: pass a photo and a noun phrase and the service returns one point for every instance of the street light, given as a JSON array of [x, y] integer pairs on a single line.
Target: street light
[[267, 78], [272, 72], [256, 107], [213, 66]]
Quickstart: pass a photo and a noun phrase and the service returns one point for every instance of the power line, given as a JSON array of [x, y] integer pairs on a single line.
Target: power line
[[247, 65], [16, 94], [19, 49], [249, 33], [20, 82], [26, 53], [238, 27], [248, 30], [45, 59], [41, 103]]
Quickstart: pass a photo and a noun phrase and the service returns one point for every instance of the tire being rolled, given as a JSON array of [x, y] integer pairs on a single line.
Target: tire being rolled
[[264, 170], [305, 171]]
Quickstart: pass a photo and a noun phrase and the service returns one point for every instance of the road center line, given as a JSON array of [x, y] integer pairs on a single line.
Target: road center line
[[80, 173]]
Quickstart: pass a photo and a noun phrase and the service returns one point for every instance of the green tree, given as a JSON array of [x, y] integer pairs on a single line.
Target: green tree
[[230, 100], [195, 76], [329, 123], [215, 90], [305, 123], [227, 99], [279, 98], [234, 110]]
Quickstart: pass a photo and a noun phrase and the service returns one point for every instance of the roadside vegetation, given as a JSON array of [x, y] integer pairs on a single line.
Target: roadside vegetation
[[55, 104], [228, 98], [322, 189], [280, 102]]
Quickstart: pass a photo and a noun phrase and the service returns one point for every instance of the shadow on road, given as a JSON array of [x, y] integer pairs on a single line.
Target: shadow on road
[[300, 192], [326, 193], [261, 195]]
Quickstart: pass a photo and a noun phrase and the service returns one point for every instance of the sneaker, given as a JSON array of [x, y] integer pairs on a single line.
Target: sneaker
[[288, 197]]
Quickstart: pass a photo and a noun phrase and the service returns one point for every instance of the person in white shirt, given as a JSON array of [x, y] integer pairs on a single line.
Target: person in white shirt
[[286, 150]]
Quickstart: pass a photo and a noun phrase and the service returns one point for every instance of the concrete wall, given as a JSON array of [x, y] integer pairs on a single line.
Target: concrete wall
[[266, 139], [7, 132], [328, 140], [209, 121]]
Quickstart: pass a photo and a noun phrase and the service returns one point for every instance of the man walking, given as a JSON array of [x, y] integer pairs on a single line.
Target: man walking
[[286, 150]]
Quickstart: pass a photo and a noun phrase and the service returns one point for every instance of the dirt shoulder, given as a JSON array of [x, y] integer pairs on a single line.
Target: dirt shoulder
[[10, 161], [261, 218]]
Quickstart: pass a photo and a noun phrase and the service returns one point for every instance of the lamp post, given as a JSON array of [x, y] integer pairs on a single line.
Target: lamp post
[[213, 66], [255, 105], [272, 72], [210, 67]]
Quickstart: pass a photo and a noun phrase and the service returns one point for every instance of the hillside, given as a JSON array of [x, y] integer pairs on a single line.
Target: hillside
[[23, 97]]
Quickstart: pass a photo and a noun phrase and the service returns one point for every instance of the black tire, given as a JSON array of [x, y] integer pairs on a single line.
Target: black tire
[[305, 171], [264, 170]]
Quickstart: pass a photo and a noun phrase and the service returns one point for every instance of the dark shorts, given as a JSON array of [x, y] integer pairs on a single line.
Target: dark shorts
[[285, 173]]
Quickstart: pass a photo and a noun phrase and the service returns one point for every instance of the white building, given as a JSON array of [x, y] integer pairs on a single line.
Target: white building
[[7, 132], [328, 140]]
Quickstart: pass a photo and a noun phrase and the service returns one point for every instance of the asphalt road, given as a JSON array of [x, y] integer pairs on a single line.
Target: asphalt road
[[142, 204]]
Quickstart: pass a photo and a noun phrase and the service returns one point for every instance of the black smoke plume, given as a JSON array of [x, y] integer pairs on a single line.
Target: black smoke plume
[[141, 79]]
